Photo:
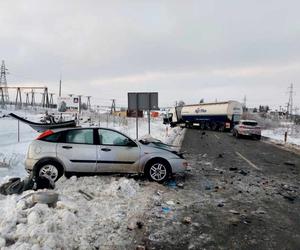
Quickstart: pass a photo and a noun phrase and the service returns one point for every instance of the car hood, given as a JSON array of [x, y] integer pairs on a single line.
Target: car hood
[[153, 142], [153, 145]]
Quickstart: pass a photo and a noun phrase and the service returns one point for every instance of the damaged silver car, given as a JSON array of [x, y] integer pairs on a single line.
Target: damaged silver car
[[100, 150]]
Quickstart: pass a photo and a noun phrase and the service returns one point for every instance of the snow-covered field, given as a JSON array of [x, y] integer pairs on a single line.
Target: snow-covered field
[[277, 134], [75, 223]]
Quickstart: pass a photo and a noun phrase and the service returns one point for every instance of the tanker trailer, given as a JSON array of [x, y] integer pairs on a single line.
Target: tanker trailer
[[215, 116]]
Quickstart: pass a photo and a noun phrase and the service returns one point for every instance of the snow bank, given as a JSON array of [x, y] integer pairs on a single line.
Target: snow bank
[[278, 133], [75, 222]]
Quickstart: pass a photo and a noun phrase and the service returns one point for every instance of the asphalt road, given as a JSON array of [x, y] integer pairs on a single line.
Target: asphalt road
[[240, 194]]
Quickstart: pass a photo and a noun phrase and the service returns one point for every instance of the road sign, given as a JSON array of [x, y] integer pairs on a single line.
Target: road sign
[[142, 101]]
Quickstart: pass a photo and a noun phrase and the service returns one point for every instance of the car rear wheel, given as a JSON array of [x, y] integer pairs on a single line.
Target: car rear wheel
[[50, 170], [158, 171], [233, 133]]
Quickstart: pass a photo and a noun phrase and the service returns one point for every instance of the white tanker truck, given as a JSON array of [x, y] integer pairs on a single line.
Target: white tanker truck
[[215, 116]]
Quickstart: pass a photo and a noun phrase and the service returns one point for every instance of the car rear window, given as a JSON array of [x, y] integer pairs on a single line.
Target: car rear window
[[250, 123], [80, 136], [52, 138]]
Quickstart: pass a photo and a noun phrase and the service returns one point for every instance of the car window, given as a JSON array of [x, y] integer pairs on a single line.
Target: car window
[[109, 137], [81, 136], [236, 118], [250, 123], [52, 138]]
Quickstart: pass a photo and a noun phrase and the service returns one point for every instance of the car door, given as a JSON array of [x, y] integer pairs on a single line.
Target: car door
[[78, 151], [117, 153]]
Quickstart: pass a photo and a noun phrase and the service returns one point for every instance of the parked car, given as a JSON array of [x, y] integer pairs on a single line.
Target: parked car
[[100, 150], [247, 128]]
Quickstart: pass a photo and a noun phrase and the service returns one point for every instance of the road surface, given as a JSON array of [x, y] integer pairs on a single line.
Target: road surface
[[240, 194]]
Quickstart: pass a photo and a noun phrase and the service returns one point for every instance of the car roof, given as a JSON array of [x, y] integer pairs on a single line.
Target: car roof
[[79, 127], [248, 121], [76, 128]]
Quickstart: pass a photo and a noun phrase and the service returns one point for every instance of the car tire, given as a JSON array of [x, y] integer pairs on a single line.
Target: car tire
[[233, 133], [68, 175], [49, 169], [258, 137], [158, 170]]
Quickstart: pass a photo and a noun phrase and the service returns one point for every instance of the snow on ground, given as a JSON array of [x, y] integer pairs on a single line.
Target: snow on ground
[[277, 134], [75, 223]]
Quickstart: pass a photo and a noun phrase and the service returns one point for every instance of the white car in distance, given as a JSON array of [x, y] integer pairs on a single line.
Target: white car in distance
[[247, 128], [100, 150]]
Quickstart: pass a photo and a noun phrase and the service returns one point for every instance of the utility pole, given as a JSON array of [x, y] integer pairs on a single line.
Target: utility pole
[[32, 98], [113, 106], [45, 98], [27, 99], [89, 103], [245, 101], [18, 99], [3, 82], [51, 103], [59, 91], [79, 100], [290, 102], [291, 93]]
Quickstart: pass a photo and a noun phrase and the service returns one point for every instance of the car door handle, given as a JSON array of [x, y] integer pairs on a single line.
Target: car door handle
[[106, 149], [67, 147]]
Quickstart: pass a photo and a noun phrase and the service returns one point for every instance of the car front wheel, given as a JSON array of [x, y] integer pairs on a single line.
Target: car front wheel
[[158, 171]]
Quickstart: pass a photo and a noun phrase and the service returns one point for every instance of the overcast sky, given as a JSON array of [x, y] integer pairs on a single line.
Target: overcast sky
[[185, 50]]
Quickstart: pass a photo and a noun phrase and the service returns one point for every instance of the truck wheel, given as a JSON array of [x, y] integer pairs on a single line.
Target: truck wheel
[[222, 128], [207, 126], [214, 126], [202, 126]]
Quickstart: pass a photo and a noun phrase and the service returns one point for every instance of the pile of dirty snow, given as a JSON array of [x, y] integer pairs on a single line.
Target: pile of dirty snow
[[77, 222]]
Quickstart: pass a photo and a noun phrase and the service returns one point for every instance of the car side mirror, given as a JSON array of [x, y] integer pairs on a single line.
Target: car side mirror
[[130, 143]]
